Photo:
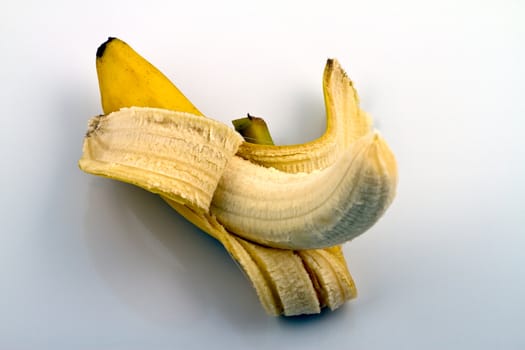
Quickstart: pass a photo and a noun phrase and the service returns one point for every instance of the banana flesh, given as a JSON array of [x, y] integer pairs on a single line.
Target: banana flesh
[[303, 211], [288, 282]]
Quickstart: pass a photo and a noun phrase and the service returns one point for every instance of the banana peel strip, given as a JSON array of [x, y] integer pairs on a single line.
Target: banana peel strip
[[287, 282]]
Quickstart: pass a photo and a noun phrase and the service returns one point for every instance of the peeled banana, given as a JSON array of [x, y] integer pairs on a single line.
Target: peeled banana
[[307, 197]]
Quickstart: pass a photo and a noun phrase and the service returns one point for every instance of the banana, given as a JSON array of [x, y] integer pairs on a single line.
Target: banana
[[350, 167]]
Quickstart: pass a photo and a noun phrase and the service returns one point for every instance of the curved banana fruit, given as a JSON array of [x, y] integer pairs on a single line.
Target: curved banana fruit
[[288, 282], [308, 210]]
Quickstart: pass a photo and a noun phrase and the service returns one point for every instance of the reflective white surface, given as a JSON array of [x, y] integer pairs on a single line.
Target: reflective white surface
[[88, 263]]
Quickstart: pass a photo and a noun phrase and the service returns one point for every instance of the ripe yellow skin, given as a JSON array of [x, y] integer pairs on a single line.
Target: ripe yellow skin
[[127, 79]]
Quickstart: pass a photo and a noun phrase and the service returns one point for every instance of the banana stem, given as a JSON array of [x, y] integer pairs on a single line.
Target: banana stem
[[253, 129]]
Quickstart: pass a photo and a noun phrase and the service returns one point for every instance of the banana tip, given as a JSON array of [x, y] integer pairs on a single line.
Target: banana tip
[[102, 48]]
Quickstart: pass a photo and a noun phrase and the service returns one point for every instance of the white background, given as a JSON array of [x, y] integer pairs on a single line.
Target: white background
[[88, 263]]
